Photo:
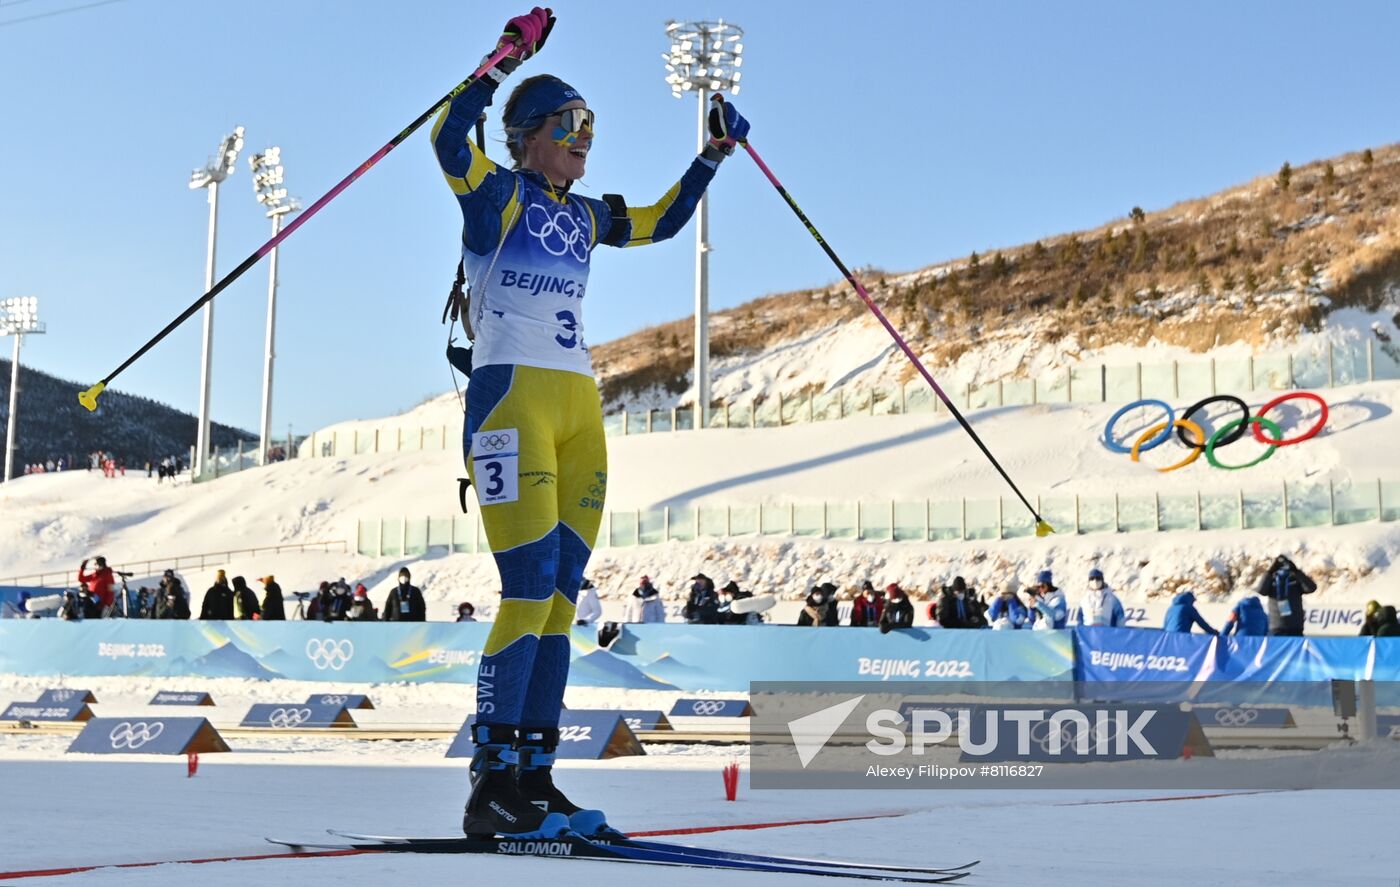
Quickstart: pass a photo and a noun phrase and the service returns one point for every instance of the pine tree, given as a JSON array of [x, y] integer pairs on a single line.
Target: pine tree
[[1137, 215], [1367, 158], [1329, 176], [999, 265], [1285, 176]]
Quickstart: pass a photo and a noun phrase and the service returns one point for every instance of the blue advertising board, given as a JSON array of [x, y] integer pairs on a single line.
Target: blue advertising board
[[63, 695], [1388, 726], [292, 715], [712, 708], [584, 734], [351, 701], [595, 735], [638, 719], [714, 658], [1236, 717], [76, 710], [148, 736], [181, 697]]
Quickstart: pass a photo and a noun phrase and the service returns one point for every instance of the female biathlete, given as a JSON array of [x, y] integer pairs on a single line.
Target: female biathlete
[[533, 440]]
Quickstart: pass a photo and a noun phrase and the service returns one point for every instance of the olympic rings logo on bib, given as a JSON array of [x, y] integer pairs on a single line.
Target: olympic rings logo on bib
[[493, 442], [1198, 443], [558, 232]]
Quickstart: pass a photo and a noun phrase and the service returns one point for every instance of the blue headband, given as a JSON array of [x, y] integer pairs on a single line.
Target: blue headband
[[538, 101]]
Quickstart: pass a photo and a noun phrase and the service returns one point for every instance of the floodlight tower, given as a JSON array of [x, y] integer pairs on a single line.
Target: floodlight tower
[[19, 317], [267, 186], [704, 58], [220, 167]]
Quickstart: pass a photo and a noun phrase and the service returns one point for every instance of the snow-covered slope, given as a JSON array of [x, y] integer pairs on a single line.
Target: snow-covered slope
[[1050, 450]]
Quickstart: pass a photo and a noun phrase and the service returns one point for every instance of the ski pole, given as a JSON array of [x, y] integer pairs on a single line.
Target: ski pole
[[1041, 527], [88, 398]]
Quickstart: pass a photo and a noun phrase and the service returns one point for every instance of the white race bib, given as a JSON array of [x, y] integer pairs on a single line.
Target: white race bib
[[496, 458]]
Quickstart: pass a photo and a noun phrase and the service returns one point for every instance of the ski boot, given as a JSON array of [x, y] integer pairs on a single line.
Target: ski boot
[[496, 805], [534, 776]]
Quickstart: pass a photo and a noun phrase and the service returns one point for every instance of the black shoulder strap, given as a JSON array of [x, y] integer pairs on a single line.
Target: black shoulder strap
[[620, 231]]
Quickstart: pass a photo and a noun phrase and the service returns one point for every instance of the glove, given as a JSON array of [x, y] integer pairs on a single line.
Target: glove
[[885, 628], [527, 33], [727, 126]]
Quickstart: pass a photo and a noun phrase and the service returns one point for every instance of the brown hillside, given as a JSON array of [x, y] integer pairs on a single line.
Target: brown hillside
[[1275, 253]]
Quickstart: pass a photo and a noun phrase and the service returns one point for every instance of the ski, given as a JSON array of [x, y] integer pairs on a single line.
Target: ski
[[574, 847], [703, 852]]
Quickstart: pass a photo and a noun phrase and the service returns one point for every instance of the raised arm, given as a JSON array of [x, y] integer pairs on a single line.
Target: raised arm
[[485, 190], [623, 225]]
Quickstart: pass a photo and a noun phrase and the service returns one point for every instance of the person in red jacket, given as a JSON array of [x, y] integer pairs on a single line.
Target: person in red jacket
[[99, 583], [867, 607]]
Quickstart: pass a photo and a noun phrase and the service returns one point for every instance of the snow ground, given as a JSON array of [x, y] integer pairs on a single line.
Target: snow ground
[[60, 811], [96, 812]]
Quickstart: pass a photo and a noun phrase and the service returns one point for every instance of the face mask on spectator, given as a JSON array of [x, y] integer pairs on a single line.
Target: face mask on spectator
[[403, 580], [1096, 584]]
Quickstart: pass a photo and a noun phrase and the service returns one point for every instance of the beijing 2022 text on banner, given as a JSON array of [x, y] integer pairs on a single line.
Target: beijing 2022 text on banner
[[684, 657]]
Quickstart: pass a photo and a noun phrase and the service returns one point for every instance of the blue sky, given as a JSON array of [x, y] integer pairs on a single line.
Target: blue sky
[[909, 131]]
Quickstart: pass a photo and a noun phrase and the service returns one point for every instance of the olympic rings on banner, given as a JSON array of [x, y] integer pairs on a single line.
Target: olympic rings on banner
[[1306, 435], [1207, 401], [1160, 439], [1184, 425], [1227, 428]]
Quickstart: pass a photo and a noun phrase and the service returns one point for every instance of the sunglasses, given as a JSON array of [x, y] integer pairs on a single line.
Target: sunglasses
[[574, 119]]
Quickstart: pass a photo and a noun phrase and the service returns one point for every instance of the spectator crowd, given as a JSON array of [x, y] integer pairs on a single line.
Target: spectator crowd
[[103, 593], [1275, 607]]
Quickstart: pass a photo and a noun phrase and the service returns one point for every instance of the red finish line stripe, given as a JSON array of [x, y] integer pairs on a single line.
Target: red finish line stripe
[[749, 826], [41, 873]]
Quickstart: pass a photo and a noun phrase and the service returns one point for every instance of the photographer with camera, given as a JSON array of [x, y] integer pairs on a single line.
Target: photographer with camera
[[99, 585], [1048, 601], [1283, 587], [170, 601]]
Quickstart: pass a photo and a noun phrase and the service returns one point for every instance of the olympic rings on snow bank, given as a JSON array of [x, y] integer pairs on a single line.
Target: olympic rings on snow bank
[[1229, 426], [1207, 401], [1160, 439], [1307, 435], [1227, 434], [1181, 425]]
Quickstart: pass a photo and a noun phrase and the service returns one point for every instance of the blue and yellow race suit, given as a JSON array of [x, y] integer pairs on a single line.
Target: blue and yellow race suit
[[540, 461]]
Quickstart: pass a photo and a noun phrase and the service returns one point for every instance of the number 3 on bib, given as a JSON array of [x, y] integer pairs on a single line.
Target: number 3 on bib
[[496, 460]]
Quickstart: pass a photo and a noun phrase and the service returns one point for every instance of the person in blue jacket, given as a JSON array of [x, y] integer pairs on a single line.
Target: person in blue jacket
[[1007, 611], [533, 440], [1051, 611], [1182, 614], [1247, 618]]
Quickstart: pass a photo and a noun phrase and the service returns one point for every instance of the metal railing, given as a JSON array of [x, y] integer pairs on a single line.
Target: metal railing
[[1089, 383], [1284, 506], [184, 561]]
